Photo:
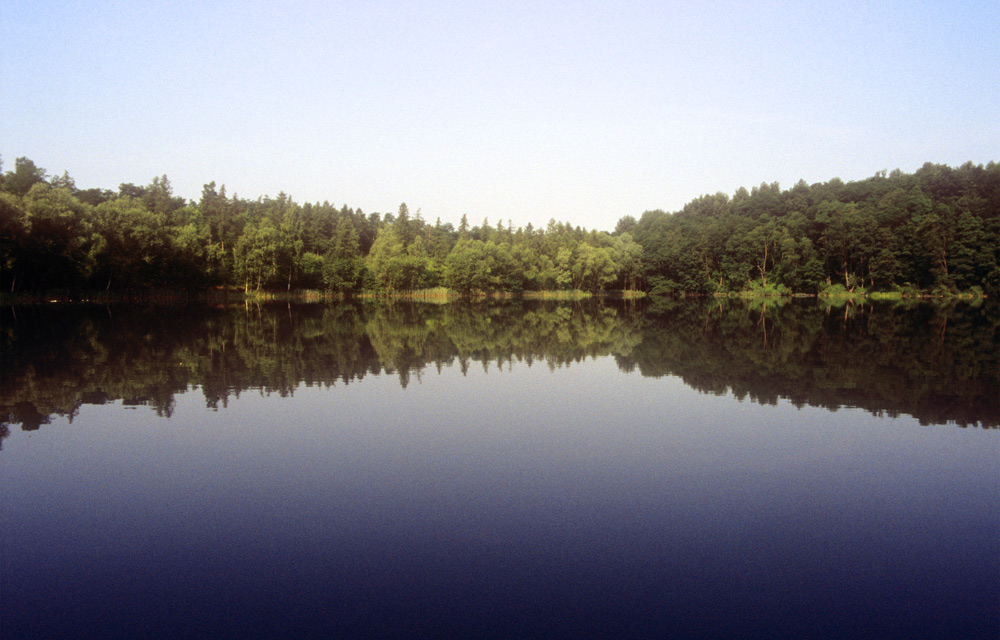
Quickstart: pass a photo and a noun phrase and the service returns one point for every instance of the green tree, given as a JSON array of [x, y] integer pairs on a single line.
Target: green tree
[[61, 239], [260, 254], [135, 248], [762, 245], [14, 241], [24, 176], [343, 265], [467, 267], [396, 265]]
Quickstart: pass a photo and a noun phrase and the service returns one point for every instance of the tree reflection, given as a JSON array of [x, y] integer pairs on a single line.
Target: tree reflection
[[938, 363]]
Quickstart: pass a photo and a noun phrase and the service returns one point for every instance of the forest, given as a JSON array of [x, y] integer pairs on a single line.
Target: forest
[[933, 232]]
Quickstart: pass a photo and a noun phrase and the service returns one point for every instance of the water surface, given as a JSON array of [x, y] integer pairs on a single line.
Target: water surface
[[472, 470]]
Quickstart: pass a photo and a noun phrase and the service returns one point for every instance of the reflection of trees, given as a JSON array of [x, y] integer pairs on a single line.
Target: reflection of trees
[[938, 363], [408, 338], [57, 359]]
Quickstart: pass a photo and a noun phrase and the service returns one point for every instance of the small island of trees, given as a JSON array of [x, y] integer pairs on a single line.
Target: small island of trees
[[933, 232]]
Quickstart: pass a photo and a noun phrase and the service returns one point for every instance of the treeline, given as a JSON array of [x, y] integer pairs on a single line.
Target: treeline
[[935, 230]]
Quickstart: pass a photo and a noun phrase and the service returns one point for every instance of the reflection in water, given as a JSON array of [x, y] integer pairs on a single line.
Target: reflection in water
[[634, 481], [936, 363]]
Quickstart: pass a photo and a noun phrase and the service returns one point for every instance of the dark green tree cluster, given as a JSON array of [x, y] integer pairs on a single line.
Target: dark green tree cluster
[[58, 237], [937, 229], [409, 254]]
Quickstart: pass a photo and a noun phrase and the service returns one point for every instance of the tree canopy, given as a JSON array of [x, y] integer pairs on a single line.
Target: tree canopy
[[937, 230]]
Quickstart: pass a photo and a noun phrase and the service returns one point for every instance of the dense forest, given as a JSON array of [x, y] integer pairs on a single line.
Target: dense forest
[[934, 231]]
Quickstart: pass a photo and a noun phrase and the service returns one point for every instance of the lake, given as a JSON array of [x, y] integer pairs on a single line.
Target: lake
[[606, 469]]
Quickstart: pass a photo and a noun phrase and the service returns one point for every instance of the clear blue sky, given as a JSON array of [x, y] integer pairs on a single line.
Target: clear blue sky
[[526, 111]]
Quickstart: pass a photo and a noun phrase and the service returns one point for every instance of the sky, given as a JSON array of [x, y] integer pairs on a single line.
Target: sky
[[523, 111]]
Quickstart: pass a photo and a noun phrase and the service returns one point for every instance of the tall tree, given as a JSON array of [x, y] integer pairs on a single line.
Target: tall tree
[[24, 176]]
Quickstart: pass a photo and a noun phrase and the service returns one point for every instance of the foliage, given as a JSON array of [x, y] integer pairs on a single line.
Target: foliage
[[934, 232], [759, 289], [939, 227], [838, 290]]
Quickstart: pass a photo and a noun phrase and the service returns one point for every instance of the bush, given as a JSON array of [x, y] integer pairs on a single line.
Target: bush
[[756, 288], [942, 291], [908, 290], [834, 291]]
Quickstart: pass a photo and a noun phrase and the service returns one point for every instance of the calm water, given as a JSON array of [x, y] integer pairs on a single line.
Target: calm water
[[521, 470]]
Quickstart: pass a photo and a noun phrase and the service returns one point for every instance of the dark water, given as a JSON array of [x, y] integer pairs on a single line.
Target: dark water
[[671, 469]]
